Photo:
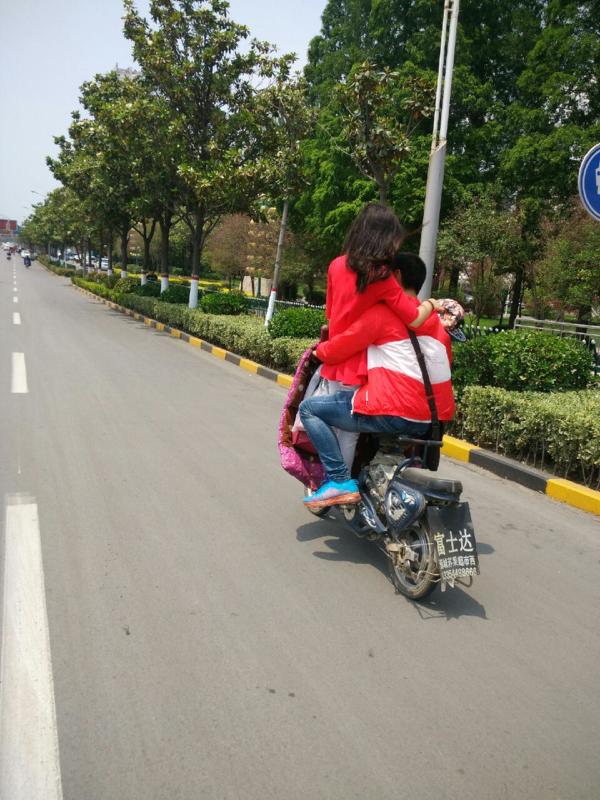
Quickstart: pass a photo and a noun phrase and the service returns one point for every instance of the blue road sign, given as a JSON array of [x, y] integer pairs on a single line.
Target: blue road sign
[[589, 182]]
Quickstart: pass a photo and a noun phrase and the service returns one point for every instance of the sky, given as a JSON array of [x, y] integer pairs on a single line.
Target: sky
[[50, 47]]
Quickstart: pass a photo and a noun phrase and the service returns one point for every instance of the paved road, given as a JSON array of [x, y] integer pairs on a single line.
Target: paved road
[[210, 639]]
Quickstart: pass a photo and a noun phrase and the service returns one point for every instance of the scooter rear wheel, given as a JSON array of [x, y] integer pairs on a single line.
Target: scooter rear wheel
[[414, 578]]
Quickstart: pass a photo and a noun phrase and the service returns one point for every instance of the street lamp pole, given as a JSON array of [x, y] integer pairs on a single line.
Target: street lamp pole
[[437, 156]]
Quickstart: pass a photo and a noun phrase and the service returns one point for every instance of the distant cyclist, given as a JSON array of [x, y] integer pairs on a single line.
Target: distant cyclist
[[27, 261]]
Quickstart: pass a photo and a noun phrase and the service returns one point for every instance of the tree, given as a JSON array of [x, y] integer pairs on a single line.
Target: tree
[[480, 240], [556, 116], [494, 39], [227, 247], [381, 109], [60, 219], [289, 121], [192, 59], [95, 161], [568, 273]]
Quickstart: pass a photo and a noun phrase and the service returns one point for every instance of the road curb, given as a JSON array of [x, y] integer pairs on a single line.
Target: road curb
[[568, 492]]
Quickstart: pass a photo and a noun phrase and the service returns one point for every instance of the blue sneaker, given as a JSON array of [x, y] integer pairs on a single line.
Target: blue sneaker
[[334, 494]]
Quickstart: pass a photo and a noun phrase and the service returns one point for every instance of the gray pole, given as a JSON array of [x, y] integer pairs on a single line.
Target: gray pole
[[273, 294], [437, 157]]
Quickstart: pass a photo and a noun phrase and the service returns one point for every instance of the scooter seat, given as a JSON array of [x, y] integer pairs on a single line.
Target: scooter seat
[[423, 480]]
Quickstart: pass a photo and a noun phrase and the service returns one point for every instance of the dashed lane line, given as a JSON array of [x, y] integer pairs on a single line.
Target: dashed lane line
[[19, 374], [29, 758], [15, 299], [16, 318]]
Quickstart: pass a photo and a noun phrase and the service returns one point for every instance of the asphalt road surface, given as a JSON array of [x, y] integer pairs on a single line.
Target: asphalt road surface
[[177, 627]]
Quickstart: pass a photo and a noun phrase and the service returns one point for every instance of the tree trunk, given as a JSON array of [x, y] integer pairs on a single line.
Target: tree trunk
[[146, 257], [382, 185], [165, 231], [101, 254], [277, 269], [124, 244], [89, 254], [517, 290], [197, 230], [110, 252], [453, 284]]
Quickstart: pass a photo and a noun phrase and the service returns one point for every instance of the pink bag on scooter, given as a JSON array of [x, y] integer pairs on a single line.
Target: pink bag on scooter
[[301, 463]]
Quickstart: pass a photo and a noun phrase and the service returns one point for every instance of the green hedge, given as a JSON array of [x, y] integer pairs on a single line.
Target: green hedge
[[124, 285], [176, 293], [64, 271], [522, 361], [150, 289], [297, 323], [219, 303], [559, 430], [96, 288], [243, 334]]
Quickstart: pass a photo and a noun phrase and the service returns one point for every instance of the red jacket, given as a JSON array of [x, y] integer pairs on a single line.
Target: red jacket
[[345, 305], [395, 384]]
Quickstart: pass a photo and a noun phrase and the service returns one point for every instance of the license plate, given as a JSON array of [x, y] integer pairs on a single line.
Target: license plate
[[454, 536]]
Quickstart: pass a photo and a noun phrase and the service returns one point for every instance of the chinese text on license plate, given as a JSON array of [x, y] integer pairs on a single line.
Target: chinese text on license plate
[[454, 537]]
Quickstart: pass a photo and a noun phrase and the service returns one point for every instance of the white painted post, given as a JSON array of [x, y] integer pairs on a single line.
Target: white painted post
[[193, 293], [164, 283], [143, 279]]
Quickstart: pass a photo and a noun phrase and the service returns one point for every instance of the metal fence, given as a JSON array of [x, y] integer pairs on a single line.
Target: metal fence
[[588, 334], [258, 305], [472, 331]]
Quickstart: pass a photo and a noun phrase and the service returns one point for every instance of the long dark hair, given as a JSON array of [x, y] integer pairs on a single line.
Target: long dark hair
[[372, 241]]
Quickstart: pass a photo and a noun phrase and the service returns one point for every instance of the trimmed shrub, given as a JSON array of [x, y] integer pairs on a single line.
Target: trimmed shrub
[[92, 286], [104, 278], [143, 305], [150, 289], [126, 285], [286, 351], [557, 430], [523, 361], [219, 303], [297, 323], [471, 363], [176, 294], [539, 362]]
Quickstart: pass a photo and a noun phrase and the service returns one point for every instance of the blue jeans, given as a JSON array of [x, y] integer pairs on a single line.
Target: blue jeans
[[321, 414]]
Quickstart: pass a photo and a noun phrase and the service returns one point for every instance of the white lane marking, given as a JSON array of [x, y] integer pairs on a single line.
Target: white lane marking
[[14, 288], [19, 374], [16, 318], [15, 299], [30, 763]]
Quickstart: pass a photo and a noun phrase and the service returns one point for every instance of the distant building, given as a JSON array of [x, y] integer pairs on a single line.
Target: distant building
[[8, 229]]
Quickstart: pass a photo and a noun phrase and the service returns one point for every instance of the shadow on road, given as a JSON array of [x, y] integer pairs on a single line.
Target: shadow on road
[[343, 544], [451, 604]]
